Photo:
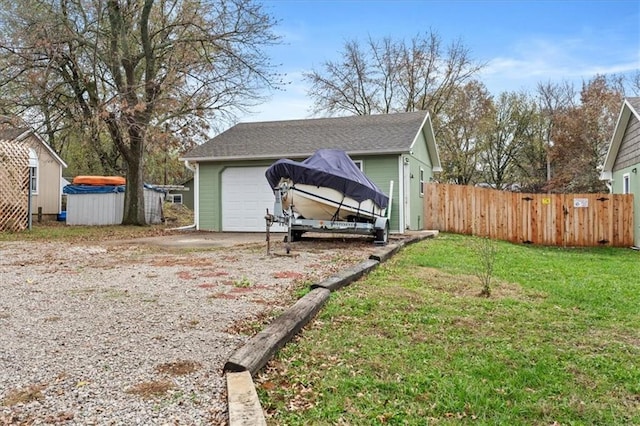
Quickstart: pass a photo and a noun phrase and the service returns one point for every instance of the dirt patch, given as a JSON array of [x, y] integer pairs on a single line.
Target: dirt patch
[[469, 285]]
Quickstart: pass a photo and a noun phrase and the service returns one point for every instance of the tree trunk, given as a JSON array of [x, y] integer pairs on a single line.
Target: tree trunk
[[134, 195]]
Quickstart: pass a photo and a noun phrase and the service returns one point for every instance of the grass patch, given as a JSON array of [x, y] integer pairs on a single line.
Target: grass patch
[[55, 231], [557, 342], [243, 282], [176, 214]]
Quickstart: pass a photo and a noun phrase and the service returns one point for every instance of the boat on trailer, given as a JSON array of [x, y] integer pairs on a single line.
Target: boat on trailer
[[327, 192]]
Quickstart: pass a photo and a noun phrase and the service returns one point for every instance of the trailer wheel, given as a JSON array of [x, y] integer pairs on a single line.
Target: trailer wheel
[[296, 236], [382, 234]]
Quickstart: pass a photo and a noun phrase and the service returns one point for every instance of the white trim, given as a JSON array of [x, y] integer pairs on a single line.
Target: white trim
[[196, 195], [34, 166], [406, 193], [432, 148], [360, 164], [421, 183], [401, 226], [43, 142], [626, 112], [292, 156]]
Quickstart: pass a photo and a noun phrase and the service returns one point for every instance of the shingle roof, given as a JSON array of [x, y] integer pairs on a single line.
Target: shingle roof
[[13, 133], [635, 103], [630, 107], [385, 133], [10, 134]]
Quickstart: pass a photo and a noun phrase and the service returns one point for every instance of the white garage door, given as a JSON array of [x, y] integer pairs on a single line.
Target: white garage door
[[246, 196]]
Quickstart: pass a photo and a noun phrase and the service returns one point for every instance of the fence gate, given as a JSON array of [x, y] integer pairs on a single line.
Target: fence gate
[[14, 187]]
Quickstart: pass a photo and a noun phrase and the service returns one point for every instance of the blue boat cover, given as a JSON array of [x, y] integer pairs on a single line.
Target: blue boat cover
[[91, 189], [330, 168], [102, 189]]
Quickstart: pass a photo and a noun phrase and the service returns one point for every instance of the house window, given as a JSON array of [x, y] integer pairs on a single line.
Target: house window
[[626, 184], [33, 171], [421, 181], [175, 198], [359, 164]]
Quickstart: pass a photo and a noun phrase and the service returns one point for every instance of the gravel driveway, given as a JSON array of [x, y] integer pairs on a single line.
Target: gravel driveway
[[137, 332]]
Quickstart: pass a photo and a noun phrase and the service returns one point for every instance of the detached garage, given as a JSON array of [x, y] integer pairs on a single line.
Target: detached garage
[[232, 194]]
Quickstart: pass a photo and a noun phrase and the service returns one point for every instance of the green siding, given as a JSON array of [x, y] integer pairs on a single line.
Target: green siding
[[209, 197], [381, 170], [187, 193], [418, 159], [634, 187]]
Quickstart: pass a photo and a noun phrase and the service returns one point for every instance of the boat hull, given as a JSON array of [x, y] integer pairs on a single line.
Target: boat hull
[[99, 180], [322, 203]]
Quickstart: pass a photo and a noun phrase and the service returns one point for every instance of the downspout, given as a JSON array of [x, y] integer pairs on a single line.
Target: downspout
[[195, 201], [401, 188]]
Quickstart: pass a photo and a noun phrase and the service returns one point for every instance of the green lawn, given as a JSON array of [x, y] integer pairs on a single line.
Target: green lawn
[[558, 342]]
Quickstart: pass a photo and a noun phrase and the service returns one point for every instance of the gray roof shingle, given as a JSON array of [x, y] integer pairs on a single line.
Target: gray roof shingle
[[635, 103], [385, 133], [9, 134]]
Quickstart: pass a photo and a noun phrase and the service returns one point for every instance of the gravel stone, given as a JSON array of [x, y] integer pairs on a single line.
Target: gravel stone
[[84, 326]]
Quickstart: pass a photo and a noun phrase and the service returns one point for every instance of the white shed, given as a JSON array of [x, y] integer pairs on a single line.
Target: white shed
[[104, 205]]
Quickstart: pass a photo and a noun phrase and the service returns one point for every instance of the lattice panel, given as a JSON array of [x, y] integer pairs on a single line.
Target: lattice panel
[[14, 187]]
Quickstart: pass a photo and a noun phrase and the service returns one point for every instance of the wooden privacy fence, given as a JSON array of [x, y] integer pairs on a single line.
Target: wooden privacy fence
[[546, 219]]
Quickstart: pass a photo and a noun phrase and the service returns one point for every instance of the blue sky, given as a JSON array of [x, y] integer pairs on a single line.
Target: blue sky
[[522, 42]]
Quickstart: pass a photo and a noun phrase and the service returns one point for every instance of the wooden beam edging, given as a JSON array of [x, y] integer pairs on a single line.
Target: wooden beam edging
[[385, 253], [347, 276], [423, 235], [260, 348], [244, 405]]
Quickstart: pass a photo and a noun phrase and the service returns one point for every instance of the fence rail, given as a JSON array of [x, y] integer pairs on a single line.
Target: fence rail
[[548, 219]]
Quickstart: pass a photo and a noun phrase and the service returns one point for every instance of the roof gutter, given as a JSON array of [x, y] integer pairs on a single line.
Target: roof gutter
[[296, 155]]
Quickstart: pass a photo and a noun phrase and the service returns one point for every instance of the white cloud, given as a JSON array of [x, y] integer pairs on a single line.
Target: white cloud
[[541, 60], [288, 104]]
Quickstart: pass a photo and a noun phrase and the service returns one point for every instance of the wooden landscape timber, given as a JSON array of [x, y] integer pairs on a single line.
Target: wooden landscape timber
[[255, 354], [259, 349], [244, 405], [347, 276]]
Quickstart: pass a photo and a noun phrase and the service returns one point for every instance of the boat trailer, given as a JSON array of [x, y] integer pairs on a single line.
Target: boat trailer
[[378, 227]]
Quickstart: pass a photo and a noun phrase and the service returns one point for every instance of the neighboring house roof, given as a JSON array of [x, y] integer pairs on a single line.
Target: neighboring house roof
[[357, 135], [630, 108], [19, 134]]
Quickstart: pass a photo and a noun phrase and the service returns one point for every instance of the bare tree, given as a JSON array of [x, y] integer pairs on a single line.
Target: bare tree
[[459, 128], [121, 70], [582, 135], [504, 139], [531, 163], [553, 99], [347, 86], [635, 83], [391, 76]]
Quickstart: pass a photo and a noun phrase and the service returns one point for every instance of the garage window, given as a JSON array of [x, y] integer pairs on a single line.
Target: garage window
[[626, 183]]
